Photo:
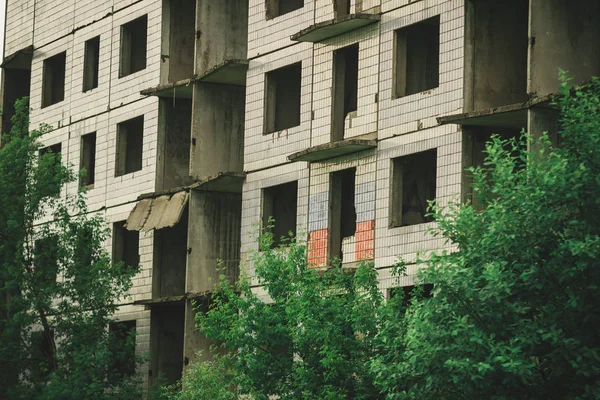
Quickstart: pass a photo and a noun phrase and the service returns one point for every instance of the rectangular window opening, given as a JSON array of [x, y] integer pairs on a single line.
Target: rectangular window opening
[[341, 8], [281, 203], [122, 349], [125, 246], [282, 98], [276, 8], [342, 218], [91, 60], [88, 159], [345, 90], [46, 259], [413, 186], [56, 151], [130, 142], [417, 58], [133, 46], [53, 79]]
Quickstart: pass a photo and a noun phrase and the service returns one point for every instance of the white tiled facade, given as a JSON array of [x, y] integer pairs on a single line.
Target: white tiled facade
[[402, 126]]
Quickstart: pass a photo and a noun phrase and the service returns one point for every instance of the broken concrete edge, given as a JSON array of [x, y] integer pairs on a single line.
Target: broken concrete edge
[[27, 51], [222, 67], [305, 34], [166, 86], [202, 183], [460, 118], [321, 152], [173, 299], [195, 185], [232, 63]]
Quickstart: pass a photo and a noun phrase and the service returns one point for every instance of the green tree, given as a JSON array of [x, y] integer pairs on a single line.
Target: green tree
[[58, 285], [312, 338], [516, 310]]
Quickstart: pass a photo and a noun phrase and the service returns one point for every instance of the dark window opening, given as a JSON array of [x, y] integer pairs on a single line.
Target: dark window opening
[[342, 218], [130, 141], [46, 260], [281, 203], [54, 151], [345, 89], [16, 85], [133, 46], [408, 293], [166, 342], [496, 53], [275, 8], [283, 88], [125, 246], [121, 342], [42, 356], [180, 29], [53, 81], [413, 186], [170, 259], [87, 160], [91, 60], [341, 8], [417, 58]]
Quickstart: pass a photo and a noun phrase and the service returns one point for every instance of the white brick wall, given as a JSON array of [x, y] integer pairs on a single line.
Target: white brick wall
[[252, 204], [368, 72], [405, 114], [404, 126], [265, 36], [266, 150], [19, 25]]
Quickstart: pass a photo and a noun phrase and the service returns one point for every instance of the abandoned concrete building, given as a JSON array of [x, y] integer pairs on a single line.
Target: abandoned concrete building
[[196, 120]]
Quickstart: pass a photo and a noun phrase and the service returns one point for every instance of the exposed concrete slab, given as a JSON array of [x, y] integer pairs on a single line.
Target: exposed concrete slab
[[173, 211], [181, 89], [337, 26], [156, 211], [226, 182], [163, 211], [331, 150], [229, 72], [139, 215], [511, 116]]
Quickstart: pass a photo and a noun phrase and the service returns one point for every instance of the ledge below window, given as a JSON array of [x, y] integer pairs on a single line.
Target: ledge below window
[[337, 26], [331, 150], [230, 72], [509, 116]]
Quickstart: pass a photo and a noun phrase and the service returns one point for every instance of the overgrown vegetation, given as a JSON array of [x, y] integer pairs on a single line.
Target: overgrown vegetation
[[515, 312], [59, 286]]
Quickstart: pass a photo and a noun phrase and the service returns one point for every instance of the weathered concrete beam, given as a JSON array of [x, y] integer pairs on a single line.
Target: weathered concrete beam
[[181, 89], [331, 150]]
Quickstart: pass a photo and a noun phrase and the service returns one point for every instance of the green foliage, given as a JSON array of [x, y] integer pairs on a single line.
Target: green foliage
[[313, 336], [59, 287], [516, 310], [204, 380]]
